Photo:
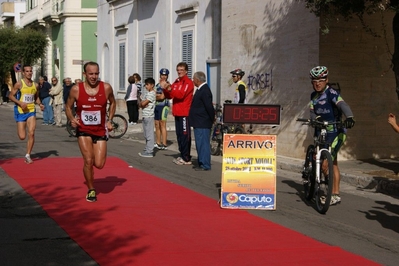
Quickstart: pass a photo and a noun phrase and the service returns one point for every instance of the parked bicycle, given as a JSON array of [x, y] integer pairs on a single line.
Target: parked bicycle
[[317, 174], [119, 127], [219, 129]]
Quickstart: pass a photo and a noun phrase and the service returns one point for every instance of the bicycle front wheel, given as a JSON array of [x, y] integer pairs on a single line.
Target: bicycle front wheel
[[119, 124], [324, 187], [308, 176]]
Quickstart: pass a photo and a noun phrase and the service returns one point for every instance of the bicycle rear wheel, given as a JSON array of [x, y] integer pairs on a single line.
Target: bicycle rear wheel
[[119, 124], [308, 174], [323, 191], [239, 130], [71, 130], [215, 140]]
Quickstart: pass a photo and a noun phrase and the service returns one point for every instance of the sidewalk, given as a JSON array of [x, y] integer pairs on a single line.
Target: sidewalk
[[378, 175]]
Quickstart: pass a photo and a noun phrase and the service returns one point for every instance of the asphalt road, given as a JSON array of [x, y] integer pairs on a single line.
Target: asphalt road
[[365, 223]]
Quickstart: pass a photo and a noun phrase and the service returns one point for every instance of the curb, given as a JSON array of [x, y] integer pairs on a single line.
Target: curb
[[367, 182]]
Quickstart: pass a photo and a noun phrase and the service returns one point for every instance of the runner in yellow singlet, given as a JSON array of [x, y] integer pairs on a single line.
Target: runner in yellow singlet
[[25, 94]]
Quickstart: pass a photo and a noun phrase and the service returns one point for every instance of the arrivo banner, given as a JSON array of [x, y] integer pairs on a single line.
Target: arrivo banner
[[249, 172]]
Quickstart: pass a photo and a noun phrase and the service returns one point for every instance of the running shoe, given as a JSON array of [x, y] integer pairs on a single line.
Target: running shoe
[[146, 154], [156, 145], [91, 195], [180, 161], [177, 159], [335, 199], [28, 160], [162, 147]]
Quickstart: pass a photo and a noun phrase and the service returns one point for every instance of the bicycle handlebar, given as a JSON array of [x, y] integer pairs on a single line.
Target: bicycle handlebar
[[317, 123]]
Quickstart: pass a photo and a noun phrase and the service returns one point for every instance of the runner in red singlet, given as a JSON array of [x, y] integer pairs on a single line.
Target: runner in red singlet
[[91, 97]]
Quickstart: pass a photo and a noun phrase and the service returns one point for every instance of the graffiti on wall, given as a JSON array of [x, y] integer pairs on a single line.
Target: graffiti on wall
[[260, 82]]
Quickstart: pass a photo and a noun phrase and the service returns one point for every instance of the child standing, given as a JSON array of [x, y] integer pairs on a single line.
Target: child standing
[[148, 105]]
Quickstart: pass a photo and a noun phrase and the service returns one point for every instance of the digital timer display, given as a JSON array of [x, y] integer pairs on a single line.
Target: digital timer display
[[251, 114]]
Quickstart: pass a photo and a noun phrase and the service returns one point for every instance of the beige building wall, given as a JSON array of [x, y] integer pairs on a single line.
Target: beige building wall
[[361, 63], [277, 42]]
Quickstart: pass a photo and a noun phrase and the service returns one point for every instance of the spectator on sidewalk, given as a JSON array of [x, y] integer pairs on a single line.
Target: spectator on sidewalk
[[392, 122], [67, 88], [148, 105], [202, 116], [181, 91], [241, 93], [25, 94], [56, 93], [161, 113], [4, 91], [131, 101], [45, 98]]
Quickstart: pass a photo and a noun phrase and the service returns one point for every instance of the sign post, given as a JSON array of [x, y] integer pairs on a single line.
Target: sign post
[[17, 67], [249, 172]]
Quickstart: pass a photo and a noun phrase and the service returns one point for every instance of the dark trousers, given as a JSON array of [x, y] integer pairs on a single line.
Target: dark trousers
[[4, 95], [133, 111], [202, 144], [183, 134]]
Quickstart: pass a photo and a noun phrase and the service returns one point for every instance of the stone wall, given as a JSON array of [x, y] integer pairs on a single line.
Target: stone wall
[[361, 63]]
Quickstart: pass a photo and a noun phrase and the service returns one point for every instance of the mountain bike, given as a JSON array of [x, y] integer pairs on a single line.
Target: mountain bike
[[119, 127], [317, 174]]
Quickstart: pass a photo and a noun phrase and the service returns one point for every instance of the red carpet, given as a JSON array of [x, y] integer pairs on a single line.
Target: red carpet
[[140, 219]]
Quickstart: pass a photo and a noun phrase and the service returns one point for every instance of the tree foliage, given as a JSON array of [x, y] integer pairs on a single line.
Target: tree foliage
[[25, 46], [347, 9], [331, 9]]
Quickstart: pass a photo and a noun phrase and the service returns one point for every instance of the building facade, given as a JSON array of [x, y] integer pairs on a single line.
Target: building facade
[[143, 36], [71, 28], [11, 13], [276, 43]]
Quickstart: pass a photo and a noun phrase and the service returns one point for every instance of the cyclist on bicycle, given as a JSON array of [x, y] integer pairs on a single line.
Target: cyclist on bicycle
[[241, 93], [326, 104]]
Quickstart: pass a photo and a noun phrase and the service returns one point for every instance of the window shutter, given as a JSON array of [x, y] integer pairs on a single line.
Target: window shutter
[[122, 66], [187, 50], [148, 59]]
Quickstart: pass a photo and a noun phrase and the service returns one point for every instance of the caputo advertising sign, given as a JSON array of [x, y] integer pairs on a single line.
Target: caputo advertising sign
[[249, 172]]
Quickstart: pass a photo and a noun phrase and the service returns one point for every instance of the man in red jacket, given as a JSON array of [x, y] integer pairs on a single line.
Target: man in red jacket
[[181, 91]]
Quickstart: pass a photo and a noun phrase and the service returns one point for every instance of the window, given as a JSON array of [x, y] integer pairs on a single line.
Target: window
[[31, 4], [122, 66], [148, 59], [187, 50]]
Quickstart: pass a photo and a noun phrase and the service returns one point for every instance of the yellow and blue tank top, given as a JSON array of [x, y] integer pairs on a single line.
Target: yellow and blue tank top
[[27, 94], [237, 92]]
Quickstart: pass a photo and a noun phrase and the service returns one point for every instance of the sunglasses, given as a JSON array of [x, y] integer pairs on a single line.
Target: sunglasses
[[54, 80], [234, 76], [318, 80]]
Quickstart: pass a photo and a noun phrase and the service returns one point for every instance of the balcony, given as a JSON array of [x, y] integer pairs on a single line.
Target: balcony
[[48, 12]]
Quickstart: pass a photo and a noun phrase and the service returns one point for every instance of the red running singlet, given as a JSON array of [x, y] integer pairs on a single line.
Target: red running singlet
[[91, 111]]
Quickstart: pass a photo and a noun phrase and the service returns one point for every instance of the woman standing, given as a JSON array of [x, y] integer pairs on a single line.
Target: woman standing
[[131, 101]]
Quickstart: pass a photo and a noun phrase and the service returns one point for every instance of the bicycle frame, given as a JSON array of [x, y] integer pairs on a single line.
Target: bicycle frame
[[321, 140], [316, 156]]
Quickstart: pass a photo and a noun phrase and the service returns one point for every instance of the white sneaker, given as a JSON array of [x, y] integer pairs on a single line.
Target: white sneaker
[[28, 160], [335, 199]]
